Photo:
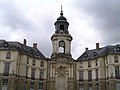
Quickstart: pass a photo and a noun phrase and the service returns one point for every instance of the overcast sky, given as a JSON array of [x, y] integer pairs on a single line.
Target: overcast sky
[[91, 21]]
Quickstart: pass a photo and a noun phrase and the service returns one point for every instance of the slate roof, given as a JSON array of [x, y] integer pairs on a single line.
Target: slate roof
[[92, 54], [27, 50]]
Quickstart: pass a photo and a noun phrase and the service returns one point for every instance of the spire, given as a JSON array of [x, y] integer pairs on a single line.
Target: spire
[[61, 11]]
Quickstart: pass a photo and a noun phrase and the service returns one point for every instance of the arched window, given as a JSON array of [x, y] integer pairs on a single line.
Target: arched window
[[42, 64], [61, 50], [61, 27], [8, 55], [115, 58], [33, 62], [61, 47]]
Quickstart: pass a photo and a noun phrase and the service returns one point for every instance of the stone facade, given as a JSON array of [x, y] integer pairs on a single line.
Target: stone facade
[[25, 68]]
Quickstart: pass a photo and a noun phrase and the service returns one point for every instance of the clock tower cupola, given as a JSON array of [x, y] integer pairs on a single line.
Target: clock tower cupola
[[61, 39]]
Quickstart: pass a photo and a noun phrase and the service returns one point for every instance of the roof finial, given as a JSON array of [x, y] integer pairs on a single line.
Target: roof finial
[[61, 11]]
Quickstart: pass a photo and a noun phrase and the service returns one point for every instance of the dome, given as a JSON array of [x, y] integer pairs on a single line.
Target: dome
[[61, 18]]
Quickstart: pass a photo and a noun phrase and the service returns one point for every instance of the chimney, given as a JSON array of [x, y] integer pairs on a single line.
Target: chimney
[[24, 42], [97, 46], [35, 45], [86, 49]]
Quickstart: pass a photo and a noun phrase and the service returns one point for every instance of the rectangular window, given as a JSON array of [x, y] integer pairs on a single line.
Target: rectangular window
[[117, 72], [81, 65], [5, 84], [96, 74], [26, 74], [107, 73], [42, 64], [40, 85], [81, 75], [116, 59], [33, 62], [97, 86], [33, 73], [27, 60], [81, 87], [89, 75], [25, 85], [96, 63], [89, 64], [41, 74], [89, 86], [8, 55], [6, 68], [117, 86], [32, 86]]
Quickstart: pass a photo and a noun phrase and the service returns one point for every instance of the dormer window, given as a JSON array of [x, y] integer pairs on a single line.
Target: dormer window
[[6, 44], [86, 55], [94, 54], [37, 53], [8, 55], [117, 49]]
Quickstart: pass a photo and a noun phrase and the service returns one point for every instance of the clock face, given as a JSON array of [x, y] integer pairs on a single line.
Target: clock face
[[62, 44]]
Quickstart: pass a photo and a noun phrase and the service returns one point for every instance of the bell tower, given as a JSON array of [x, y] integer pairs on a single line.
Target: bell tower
[[61, 39]]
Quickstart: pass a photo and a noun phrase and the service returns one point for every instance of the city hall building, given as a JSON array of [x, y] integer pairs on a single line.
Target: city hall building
[[24, 67]]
